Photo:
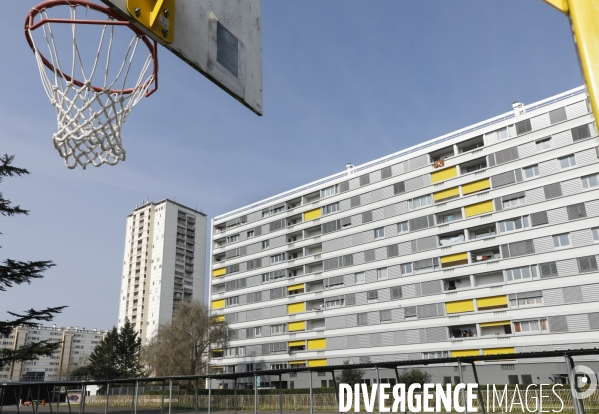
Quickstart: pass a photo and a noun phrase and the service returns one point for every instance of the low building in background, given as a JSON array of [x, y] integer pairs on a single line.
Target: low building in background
[[77, 345]]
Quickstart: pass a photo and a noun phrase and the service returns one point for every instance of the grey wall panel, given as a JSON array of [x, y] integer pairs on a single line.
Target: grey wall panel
[[400, 338], [394, 272], [426, 179], [391, 230], [375, 339], [384, 295], [577, 109], [427, 243], [389, 211], [335, 322], [242, 316], [387, 192], [397, 169], [593, 320], [590, 292], [357, 238], [539, 122], [427, 311], [351, 321], [586, 157], [370, 276], [567, 267], [441, 309], [535, 195], [405, 248], [431, 287], [414, 183], [344, 205], [418, 162], [376, 195], [412, 336], [592, 208], [548, 167], [380, 253], [354, 183], [580, 238], [363, 341], [409, 291], [557, 215], [553, 297], [368, 236], [397, 315], [561, 139], [401, 207], [349, 280], [254, 280], [276, 311], [543, 244], [254, 314], [351, 341], [578, 323], [347, 241], [378, 214], [375, 176], [572, 187], [335, 343], [387, 339], [527, 150], [436, 334], [277, 241], [361, 298], [365, 198], [358, 258], [373, 318]]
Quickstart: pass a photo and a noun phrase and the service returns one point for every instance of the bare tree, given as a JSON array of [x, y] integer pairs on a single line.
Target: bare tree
[[182, 346]]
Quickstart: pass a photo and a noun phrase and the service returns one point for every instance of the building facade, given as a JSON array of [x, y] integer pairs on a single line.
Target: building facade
[[479, 242], [163, 264], [77, 345]]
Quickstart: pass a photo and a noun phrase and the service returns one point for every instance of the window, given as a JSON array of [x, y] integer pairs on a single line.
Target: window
[[396, 292], [233, 301], [278, 366], [385, 315], [543, 144], [335, 281], [362, 319], [535, 325], [561, 240], [502, 133], [521, 273], [475, 167], [402, 227], [514, 202], [233, 238], [250, 234], [329, 191], [448, 218], [331, 208], [277, 258], [381, 273], [435, 355], [277, 329], [536, 300], [335, 303], [567, 162], [595, 233], [266, 278], [258, 331], [379, 233], [420, 202], [360, 277], [372, 295], [406, 268], [514, 224], [265, 244], [531, 172], [590, 181]]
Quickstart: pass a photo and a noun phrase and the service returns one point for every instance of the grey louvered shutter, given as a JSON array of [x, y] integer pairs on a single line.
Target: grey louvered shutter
[[331, 226], [498, 204], [505, 251], [399, 188], [548, 269], [587, 264], [423, 264], [518, 173], [523, 127], [558, 323], [369, 255], [410, 311], [372, 295], [503, 179], [419, 223], [354, 201], [392, 250], [576, 211], [539, 218], [572, 294], [258, 231], [385, 315], [364, 179], [427, 311], [491, 160], [344, 186], [345, 221], [506, 155], [581, 132], [521, 248], [350, 299], [513, 196], [386, 173], [367, 216], [557, 115], [332, 263], [594, 320], [552, 190], [396, 292], [362, 319]]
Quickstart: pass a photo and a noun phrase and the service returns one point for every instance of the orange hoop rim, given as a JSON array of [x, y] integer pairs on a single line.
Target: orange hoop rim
[[114, 19]]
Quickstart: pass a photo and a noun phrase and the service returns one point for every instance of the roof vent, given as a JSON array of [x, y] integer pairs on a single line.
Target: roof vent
[[518, 108]]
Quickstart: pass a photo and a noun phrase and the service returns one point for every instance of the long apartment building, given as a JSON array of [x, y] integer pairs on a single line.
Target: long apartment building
[[75, 349], [480, 242], [164, 263]]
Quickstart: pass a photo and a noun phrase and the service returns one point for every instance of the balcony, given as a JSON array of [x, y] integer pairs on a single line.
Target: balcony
[[462, 331], [484, 255], [471, 144], [500, 328], [472, 166], [482, 232], [452, 238], [315, 305], [456, 284]]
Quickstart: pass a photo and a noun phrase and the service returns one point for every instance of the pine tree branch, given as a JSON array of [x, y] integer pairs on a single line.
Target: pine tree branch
[[28, 319], [7, 170], [28, 352], [16, 272]]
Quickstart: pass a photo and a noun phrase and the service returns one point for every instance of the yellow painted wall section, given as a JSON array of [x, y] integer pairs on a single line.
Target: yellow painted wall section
[[218, 304], [443, 175], [295, 287], [460, 306], [479, 208], [496, 351], [297, 343], [317, 343], [219, 318], [450, 192], [297, 326], [500, 323], [296, 307], [219, 272], [475, 186], [317, 363], [465, 352], [491, 301], [454, 257], [312, 214]]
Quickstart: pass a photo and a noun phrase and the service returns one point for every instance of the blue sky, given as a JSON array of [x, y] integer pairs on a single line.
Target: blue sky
[[344, 81]]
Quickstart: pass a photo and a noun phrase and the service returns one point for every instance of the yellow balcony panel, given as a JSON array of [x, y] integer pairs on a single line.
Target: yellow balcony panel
[[296, 326], [219, 318], [219, 272], [444, 194], [479, 208], [312, 214], [458, 257], [317, 343], [491, 302], [460, 306], [302, 362], [295, 287], [489, 324], [218, 304], [443, 175], [465, 352], [296, 307], [475, 186], [317, 363], [297, 343], [497, 351], [217, 350]]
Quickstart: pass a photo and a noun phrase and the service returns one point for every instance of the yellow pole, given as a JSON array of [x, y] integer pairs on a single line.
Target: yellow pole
[[584, 18]]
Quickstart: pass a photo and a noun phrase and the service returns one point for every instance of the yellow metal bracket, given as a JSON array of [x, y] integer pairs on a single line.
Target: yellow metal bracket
[[156, 15]]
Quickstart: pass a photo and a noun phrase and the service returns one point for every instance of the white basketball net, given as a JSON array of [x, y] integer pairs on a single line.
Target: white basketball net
[[90, 121]]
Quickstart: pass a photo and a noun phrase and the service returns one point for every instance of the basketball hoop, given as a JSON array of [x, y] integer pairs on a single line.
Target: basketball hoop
[[91, 104]]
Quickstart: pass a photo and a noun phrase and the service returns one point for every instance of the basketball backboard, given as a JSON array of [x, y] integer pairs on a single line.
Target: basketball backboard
[[222, 39]]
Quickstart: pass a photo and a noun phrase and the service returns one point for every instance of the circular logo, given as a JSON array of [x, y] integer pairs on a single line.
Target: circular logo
[[585, 377]]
